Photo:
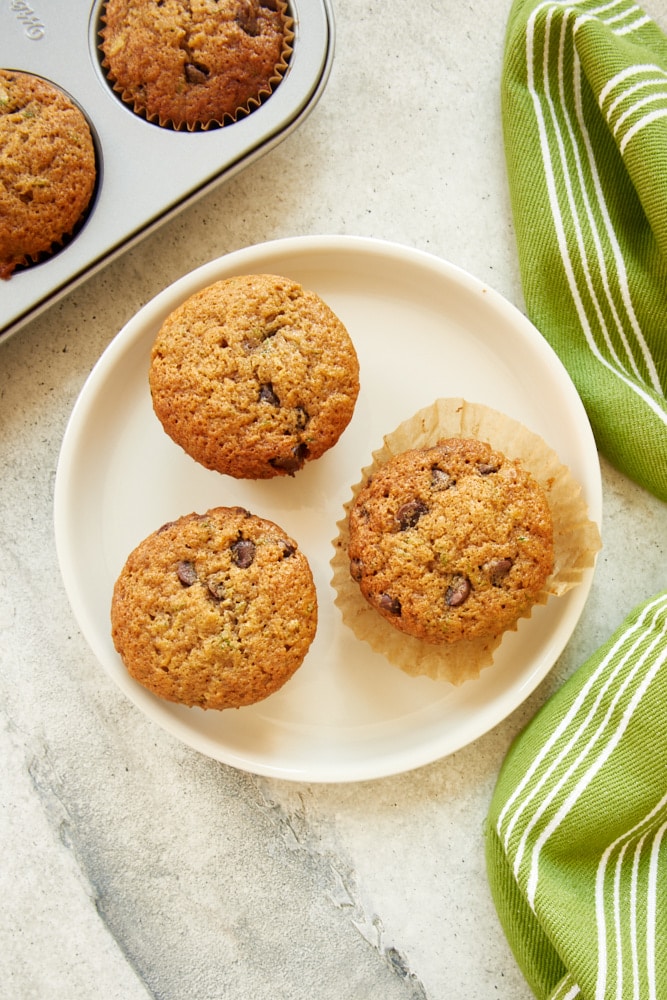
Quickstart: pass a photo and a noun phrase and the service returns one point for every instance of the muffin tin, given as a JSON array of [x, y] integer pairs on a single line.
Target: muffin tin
[[145, 173]]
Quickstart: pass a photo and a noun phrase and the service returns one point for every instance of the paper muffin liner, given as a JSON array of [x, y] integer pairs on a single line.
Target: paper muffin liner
[[27, 259], [576, 538], [70, 226], [227, 118]]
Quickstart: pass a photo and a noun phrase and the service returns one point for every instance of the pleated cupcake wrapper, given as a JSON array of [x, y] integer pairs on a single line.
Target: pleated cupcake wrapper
[[576, 537], [27, 259], [226, 119]]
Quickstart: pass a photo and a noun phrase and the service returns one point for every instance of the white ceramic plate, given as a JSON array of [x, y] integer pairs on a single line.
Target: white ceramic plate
[[423, 329]]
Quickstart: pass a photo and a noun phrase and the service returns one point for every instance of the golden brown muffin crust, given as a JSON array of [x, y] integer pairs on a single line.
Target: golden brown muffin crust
[[47, 168], [451, 542], [253, 376], [193, 62], [216, 610]]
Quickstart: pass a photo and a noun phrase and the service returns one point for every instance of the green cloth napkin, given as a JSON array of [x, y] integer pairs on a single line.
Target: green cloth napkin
[[576, 838], [584, 104]]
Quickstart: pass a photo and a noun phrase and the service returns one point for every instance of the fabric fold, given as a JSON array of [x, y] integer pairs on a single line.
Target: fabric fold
[[576, 838], [584, 105]]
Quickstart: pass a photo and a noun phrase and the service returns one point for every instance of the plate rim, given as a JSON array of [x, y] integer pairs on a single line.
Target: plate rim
[[128, 336]]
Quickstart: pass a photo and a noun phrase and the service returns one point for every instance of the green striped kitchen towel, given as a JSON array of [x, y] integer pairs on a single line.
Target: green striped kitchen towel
[[576, 838], [584, 105]]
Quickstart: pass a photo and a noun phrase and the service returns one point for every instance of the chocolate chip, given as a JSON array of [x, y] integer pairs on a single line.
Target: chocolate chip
[[243, 552], [293, 462], [196, 72], [363, 513], [267, 395], [390, 604], [247, 20], [302, 418], [216, 586], [441, 480], [408, 515], [186, 572], [497, 570], [487, 468], [289, 548], [458, 591], [356, 569]]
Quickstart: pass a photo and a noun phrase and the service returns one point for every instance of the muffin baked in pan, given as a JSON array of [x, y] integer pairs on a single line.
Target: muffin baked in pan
[[177, 166]]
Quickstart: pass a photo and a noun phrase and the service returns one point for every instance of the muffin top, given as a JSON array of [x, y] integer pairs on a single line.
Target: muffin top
[[254, 376], [451, 542], [47, 168], [190, 64], [216, 610]]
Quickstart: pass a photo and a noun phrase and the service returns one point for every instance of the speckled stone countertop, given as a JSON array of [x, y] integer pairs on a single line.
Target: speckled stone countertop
[[134, 867]]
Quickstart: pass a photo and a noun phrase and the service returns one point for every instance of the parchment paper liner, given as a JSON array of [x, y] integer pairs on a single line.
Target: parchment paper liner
[[30, 258], [129, 98], [576, 538]]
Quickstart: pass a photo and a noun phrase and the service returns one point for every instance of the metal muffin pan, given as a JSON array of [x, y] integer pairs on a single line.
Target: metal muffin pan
[[146, 173]]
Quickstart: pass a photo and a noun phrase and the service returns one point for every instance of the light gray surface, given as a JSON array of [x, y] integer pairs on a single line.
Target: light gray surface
[[133, 867]]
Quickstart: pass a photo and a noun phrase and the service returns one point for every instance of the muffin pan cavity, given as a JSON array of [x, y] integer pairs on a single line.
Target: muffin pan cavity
[[146, 173], [54, 214], [199, 85]]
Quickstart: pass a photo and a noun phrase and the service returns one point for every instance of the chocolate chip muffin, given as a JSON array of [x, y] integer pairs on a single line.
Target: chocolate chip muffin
[[216, 610], [47, 169], [189, 65], [254, 376], [451, 542]]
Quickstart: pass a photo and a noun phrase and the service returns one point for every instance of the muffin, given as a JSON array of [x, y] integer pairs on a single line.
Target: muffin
[[451, 542], [195, 65], [47, 169], [469, 596], [216, 610], [254, 376]]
